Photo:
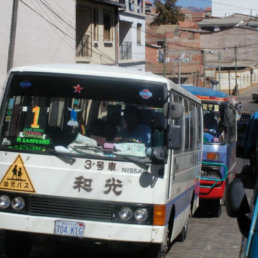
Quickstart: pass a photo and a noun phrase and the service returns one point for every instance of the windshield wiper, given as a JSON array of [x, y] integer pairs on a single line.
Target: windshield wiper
[[63, 156]]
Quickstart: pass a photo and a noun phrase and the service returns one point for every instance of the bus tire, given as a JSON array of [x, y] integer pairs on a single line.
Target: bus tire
[[17, 244], [216, 208], [183, 234], [192, 207], [154, 251], [170, 228]]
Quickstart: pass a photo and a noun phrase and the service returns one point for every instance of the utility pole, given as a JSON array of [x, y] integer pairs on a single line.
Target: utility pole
[[236, 86], [165, 57], [219, 60], [204, 64], [179, 72], [229, 80], [12, 35]]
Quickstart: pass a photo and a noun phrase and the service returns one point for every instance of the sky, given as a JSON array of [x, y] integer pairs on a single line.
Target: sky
[[195, 3]]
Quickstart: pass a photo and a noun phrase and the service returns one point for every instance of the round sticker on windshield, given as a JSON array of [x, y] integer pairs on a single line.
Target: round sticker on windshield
[[145, 94], [25, 84]]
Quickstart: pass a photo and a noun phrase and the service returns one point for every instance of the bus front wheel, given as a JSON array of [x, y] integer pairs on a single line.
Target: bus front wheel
[[154, 251], [17, 244]]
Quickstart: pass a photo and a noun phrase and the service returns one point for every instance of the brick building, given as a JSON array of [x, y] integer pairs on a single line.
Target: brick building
[[174, 50], [231, 57]]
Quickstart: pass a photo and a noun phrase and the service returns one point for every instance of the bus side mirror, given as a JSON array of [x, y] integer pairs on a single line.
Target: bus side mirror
[[174, 137], [176, 110], [237, 205], [229, 117]]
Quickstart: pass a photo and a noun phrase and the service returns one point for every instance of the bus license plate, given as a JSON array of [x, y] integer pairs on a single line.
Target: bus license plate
[[69, 228]]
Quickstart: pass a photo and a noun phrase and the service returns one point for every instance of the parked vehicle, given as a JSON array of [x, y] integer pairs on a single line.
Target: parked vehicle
[[255, 97], [219, 149], [247, 216], [242, 124], [72, 168], [249, 144]]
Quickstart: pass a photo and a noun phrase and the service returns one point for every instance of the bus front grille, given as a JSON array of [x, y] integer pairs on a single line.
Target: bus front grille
[[70, 208]]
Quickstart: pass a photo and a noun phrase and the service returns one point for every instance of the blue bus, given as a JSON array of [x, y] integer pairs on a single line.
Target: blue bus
[[219, 145]]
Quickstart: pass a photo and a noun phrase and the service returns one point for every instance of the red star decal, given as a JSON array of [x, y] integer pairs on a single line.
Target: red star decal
[[78, 88]]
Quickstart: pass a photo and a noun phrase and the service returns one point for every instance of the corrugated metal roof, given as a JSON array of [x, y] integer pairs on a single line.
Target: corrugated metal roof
[[229, 20]]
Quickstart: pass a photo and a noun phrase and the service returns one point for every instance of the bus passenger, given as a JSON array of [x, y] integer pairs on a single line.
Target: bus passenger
[[210, 127]]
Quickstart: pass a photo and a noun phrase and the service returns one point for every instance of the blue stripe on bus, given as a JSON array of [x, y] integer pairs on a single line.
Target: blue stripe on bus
[[181, 202]]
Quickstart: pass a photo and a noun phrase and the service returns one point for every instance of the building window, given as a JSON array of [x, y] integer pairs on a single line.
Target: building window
[[139, 34], [161, 44], [95, 24], [107, 26]]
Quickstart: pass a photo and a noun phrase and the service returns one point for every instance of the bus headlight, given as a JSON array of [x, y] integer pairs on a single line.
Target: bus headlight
[[125, 213], [4, 201], [18, 203], [141, 214]]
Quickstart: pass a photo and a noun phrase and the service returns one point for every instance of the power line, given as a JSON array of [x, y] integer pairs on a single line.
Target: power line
[[97, 51], [57, 15], [54, 21], [229, 5], [47, 20]]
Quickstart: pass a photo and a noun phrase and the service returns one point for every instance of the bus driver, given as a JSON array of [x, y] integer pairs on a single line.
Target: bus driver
[[133, 130]]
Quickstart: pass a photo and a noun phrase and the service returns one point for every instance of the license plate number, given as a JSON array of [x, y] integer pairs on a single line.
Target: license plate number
[[69, 228]]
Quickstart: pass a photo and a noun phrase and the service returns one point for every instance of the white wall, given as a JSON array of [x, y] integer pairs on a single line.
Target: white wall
[[138, 51], [226, 8], [5, 23], [41, 35]]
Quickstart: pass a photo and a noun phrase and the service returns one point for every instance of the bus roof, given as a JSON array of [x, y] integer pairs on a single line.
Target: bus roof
[[92, 69], [103, 71], [206, 93]]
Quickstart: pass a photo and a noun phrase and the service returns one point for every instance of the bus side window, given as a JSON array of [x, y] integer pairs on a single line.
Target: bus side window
[[199, 127], [192, 126], [187, 131], [178, 99]]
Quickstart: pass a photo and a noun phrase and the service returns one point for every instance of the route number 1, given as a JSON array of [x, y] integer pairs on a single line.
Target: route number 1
[[35, 110]]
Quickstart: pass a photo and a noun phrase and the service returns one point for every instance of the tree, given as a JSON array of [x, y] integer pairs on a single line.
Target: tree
[[168, 12]]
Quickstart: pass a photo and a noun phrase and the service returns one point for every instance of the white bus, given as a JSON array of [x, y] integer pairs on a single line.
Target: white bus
[[72, 166]]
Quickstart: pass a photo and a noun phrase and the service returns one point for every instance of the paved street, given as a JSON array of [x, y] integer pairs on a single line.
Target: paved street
[[211, 237], [207, 237]]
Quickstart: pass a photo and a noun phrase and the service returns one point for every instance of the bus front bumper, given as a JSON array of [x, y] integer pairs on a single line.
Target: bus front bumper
[[93, 229], [212, 189]]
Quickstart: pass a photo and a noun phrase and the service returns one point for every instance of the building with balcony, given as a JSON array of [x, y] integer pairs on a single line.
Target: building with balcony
[[97, 31], [132, 35]]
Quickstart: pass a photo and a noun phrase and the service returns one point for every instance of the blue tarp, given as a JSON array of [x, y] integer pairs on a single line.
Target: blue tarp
[[205, 91]]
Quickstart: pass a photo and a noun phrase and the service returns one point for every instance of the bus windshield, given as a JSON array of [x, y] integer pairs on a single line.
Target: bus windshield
[[82, 116], [214, 129]]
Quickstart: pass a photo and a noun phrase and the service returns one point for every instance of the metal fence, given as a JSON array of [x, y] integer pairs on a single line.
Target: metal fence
[[126, 51]]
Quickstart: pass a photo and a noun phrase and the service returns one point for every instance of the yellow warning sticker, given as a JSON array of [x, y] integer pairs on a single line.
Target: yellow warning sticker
[[17, 178]]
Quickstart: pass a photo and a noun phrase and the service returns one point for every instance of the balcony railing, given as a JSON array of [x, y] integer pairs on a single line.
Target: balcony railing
[[126, 51], [83, 48]]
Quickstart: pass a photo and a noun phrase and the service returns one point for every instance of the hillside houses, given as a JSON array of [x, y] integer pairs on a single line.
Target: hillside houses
[[202, 50], [206, 51]]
